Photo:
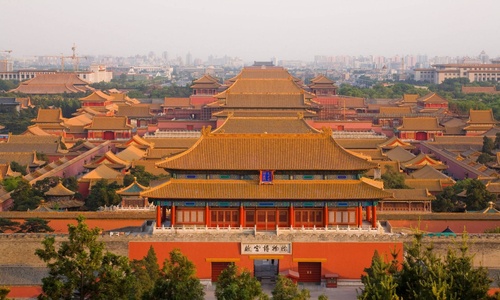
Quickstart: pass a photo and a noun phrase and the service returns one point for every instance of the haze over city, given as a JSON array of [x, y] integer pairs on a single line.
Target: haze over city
[[251, 30]]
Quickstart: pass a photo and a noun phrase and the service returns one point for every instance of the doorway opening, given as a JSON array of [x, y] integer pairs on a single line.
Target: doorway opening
[[266, 270]]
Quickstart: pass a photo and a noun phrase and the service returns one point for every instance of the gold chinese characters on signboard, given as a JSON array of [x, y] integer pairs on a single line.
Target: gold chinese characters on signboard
[[266, 248]]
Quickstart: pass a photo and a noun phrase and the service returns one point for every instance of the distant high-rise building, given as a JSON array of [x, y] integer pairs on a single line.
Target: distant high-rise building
[[189, 59], [483, 57], [6, 66], [164, 55]]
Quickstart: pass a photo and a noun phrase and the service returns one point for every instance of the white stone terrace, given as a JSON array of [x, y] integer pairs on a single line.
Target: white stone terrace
[[349, 230]]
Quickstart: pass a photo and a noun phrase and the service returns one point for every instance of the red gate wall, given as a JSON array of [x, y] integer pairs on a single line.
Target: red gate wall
[[347, 259]]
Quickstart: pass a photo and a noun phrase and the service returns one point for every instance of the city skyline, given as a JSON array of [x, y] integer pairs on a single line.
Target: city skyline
[[256, 30]]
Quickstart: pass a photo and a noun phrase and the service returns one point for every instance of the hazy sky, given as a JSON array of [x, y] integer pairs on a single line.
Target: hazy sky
[[251, 29]]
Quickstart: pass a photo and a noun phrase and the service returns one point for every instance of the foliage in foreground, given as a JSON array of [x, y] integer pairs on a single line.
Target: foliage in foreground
[[81, 269], [177, 280], [233, 284], [286, 289], [4, 292], [424, 275]]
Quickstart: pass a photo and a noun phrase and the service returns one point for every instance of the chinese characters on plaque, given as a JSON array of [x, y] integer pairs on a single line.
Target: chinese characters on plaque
[[266, 248]]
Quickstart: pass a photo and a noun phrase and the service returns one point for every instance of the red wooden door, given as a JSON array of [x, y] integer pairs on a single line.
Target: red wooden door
[[224, 218], [308, 218], [266, 219], [421, 136], [109, 135], [310, 272], [217, 268]]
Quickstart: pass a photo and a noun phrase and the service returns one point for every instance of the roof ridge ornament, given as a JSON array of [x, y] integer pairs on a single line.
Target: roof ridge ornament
[[206, 131], [327, 131]]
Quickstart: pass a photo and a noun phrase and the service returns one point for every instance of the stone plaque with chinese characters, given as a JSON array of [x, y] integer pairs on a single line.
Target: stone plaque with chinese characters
[[266, 248]]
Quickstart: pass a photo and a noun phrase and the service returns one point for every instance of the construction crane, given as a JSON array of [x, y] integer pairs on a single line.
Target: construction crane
[[62, 57], [7, 51], [74, 57]]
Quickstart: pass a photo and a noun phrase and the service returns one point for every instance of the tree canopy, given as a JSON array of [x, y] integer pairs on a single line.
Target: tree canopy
[[177, 280], [146, 271], [234, 284], [35, 225], [102, 194], [7, 225], [379, 282], [468, 194], [286, 289], [142, 176], [393, 179], [425, 275], [81, 269], [24, 197]]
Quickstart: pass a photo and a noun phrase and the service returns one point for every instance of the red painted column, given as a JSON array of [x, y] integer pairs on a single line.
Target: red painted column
[[158, 216], [163, 213], [325, 217], [368, 213], [374, 216], [292, 216], [207, 214], [360, 215], [242, 216], [172, 216]]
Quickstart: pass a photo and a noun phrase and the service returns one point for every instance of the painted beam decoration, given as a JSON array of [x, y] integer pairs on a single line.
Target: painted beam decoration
[[266, 248]]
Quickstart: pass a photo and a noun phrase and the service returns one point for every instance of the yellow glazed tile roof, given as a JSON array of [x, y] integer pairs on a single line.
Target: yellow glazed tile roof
[[265, 125], [252, 190], [266, 152]]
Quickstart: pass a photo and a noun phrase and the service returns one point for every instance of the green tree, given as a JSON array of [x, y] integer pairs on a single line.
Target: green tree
[[103, 194], [42, 186], [233, 284], [286, 289], [24, 197], [488, 145], [146, 271], [464, 280], [485, 158], [421, 273], [379, 282], [16, 167], [7, 85], [393, 179], [11, 183], [35, 225], [177, 280], [4, 292], [477, 196], [497, 140], [142, 176], [7, 225], [424, 275], [445, 200], [80, 269]]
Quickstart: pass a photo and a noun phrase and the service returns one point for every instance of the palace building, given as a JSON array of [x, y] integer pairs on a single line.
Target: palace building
[[267, 180], [269, 196]]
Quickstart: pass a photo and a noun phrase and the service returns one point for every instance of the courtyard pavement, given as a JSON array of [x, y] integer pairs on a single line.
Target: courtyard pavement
[[340, 293]]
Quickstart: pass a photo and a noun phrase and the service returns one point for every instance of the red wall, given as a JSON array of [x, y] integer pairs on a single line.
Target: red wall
[[347, 259]]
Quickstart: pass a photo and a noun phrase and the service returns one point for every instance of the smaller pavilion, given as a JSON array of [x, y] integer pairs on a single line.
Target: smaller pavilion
[[61, 198], [131, 195]]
